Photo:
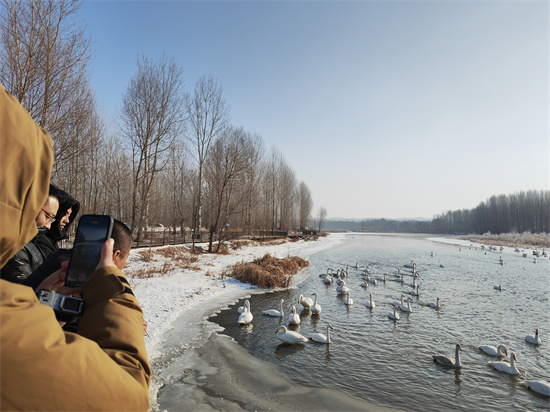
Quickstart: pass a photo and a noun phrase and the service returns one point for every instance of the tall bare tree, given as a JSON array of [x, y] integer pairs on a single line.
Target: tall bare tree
[[208, 115], [321, 218], [223, 170], [152, 116], [305, 205], [45, 52]]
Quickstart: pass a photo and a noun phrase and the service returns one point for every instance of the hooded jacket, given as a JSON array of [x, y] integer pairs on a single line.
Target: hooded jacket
[[105, 366], [47, 241]]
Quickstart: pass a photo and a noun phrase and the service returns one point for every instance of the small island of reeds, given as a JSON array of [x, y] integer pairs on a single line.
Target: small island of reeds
[[268, 271]]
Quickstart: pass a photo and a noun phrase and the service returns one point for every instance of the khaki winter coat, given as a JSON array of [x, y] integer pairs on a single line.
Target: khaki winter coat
[[105, 366]]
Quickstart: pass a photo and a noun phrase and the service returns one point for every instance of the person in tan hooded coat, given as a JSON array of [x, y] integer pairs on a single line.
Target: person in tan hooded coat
[[104, 366]]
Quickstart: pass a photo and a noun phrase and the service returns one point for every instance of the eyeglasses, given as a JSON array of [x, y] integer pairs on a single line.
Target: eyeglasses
[[51, 219]]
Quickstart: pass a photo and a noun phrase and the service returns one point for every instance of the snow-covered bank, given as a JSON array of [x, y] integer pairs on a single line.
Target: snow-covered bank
[[180, 293]]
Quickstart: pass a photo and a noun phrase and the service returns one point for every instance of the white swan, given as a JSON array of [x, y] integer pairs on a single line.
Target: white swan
[[319, 337], [507, 367], [373, 281], [397, 303], [305, 302], [370, 303], [501, 350], [328, 280], [315, 308], [394, 315], [342, 289], [365, 284], [407, 307], [294, 318], [242, 308], [542, 388], [289, 336], [348, 300], [417, 291], [246, 317], [435, 305], [274, 312], [447, 360], [535, 340]]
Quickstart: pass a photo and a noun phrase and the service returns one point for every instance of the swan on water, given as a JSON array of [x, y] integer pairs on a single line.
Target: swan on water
[[370, 303], [501, 350], [447, 360], [328, 280], [535, 340], [246, 317], [539, 387], [507, 367], [373, 281], [417, 291], [289, 336], [305, 302], [435, 305], [407, 307], [273, 312], [348, 300], [365, 284], [320, 338], [315, 308], [498, 287], [294, 318], [242, 308], [342, 289], [397, 303], [394, 315]]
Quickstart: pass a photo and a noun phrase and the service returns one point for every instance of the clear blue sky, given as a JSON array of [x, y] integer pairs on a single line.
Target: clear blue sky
[[385, 109]]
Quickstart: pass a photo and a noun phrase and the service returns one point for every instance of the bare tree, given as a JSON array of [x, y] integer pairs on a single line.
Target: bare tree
[[305, 204], [321, 218], [45, 52], [208, 115], [224, 166], [152, 115]]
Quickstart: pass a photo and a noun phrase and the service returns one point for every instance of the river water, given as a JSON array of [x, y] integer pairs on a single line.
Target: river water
[[390, 362]]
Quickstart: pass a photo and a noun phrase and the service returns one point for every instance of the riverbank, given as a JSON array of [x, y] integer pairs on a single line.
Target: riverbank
[[178, 297], [220, 374]]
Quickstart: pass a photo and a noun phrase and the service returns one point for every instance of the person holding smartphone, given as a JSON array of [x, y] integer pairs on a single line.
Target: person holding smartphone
[[105, 366]]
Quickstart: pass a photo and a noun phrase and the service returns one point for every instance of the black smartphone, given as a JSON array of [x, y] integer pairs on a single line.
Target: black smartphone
[[92, 232]]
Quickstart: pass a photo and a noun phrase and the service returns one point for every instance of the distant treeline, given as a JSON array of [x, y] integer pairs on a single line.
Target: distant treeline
[[520, 212]]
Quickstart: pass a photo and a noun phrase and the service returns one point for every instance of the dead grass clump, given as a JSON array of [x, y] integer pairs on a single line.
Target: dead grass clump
[[268, 271], [239, 244], [222, 249], [146, 255], [525, 239]]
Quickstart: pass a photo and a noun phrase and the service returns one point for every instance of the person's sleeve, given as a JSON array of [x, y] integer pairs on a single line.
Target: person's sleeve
[[18, 267]]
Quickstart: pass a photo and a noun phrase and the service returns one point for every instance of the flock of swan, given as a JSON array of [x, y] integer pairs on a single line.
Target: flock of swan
[[287, 336]]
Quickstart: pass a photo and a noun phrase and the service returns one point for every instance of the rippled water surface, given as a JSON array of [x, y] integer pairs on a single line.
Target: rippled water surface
[[390, 362]]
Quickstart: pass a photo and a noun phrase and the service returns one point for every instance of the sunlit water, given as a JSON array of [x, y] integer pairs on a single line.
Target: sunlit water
[[390, 362]]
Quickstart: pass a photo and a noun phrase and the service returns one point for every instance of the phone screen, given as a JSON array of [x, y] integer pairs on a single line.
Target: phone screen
[[92, 232]]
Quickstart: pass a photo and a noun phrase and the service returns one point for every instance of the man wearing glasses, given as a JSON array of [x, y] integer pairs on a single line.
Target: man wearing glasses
[[31, 257]]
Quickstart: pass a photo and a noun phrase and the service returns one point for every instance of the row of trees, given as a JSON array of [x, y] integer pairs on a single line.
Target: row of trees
[[526, 211], [172, 158]]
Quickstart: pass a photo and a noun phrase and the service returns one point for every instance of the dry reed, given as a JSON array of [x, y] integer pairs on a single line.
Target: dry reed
[[268, 271]]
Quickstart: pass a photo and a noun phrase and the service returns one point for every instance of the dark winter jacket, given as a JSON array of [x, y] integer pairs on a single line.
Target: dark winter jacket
[[26, 261], [47, 242]]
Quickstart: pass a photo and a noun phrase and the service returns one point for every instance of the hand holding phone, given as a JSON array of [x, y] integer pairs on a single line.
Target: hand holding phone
[[92, 232]]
